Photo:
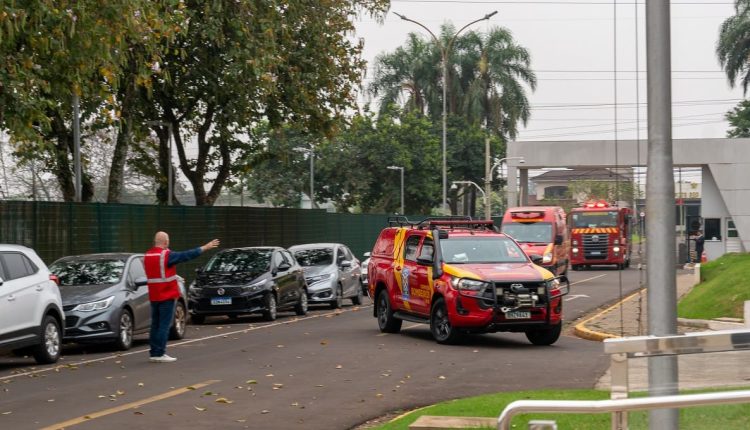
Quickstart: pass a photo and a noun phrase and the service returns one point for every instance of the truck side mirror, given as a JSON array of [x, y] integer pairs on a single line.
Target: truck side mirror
[[558, 239], [536, 259]]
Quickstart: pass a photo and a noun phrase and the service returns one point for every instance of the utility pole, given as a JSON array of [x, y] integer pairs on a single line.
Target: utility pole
[[487, 179], [660, 209], [77, 147]]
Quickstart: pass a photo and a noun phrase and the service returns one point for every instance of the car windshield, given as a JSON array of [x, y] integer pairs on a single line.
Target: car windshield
[[594, 219], [88, 272], [534, 232], [468, 250], [240, 260], [314, 257]]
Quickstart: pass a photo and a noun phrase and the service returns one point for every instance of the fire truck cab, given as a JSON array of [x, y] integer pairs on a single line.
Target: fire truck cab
[[600, 235], [541, 231]]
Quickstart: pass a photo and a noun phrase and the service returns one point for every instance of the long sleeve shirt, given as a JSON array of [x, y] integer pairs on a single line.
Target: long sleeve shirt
[[176, 257]]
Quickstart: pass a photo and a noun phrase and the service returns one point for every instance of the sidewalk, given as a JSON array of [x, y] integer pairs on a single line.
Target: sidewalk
[[629, 318]]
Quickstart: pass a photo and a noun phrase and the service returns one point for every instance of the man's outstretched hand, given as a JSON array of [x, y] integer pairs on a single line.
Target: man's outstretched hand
[[210, 245]]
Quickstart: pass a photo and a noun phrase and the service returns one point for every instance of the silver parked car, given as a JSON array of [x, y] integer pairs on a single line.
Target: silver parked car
[[364, 280], [332, 273], [105, 299]]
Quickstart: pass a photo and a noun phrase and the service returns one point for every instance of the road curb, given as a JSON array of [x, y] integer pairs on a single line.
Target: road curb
[[584, 332]]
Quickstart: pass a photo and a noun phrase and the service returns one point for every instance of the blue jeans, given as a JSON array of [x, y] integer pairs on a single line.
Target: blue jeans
[[162, 314]]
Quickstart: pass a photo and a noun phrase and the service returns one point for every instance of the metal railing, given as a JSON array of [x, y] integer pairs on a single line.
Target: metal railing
[[621, 349]]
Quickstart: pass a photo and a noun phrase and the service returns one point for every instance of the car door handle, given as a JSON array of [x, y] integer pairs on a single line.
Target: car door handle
[[11, 298], [39, 287]]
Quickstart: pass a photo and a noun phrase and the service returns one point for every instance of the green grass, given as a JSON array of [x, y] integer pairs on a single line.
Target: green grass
[[724, 287], [725, 417]]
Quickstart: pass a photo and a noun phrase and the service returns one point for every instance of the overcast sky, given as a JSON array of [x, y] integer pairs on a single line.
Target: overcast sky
[[572, 48]]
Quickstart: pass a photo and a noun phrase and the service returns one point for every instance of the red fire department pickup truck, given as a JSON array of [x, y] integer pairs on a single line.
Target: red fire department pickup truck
[[460, 275]]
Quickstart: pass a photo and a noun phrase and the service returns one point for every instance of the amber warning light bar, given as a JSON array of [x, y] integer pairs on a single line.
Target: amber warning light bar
[[526, 215]]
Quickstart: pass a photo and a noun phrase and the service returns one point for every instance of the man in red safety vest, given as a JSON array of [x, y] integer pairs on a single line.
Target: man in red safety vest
[[163, 290]]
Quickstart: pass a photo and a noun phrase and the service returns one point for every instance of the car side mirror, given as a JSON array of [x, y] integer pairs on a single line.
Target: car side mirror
[[536, 259], [367, 254], [346, 264], [1, 281], [558, 239], [283, 267], [140, 281]]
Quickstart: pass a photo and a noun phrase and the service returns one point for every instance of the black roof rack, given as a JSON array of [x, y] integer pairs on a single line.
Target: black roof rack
[[444, 221]]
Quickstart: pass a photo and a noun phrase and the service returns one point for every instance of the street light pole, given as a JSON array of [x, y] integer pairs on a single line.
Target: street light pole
[[311, 155], [402, 185], [170, 184], [444, 51], [77, 147], [485, 196], [488, 177]]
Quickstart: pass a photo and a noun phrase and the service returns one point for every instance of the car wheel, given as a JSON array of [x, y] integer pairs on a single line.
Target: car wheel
[[177, 331], [269, 314], [545, 336], [386, 321], [197, 319], [440, 325], [48, 349], [338, 301], [357, 299], [124, 331], [301, 307]]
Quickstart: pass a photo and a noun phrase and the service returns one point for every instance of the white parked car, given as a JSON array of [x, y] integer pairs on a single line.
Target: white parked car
[[31, 316]]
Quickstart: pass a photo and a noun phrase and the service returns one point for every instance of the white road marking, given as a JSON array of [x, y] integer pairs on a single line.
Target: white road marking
[[587, 280], [575, 296], [184, 342]]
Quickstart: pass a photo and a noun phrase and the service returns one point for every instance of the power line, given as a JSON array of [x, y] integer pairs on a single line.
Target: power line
[[553, 2], [611, 131]]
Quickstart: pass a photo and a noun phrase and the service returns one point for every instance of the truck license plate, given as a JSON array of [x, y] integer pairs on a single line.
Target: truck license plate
[[596, 252], [221, 301], [518, 315]]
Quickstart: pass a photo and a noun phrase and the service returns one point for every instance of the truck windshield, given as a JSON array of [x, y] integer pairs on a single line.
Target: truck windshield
[[594, 219], [534, 232], [468, 250]]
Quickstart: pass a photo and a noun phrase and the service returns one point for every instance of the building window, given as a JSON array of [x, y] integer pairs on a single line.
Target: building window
[[556, 192], [731, 229], [713, 228]]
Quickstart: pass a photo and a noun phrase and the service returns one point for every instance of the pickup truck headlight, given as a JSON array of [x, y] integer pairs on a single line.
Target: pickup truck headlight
[[616, 249], [464, 284], [556, 288], [547, 257], [95, 306]]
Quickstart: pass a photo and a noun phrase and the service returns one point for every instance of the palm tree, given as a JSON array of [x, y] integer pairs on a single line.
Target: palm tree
[[733, 48], [407, 76], [497, 69]]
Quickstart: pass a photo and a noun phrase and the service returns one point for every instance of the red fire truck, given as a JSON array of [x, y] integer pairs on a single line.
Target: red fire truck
[[600, 235]]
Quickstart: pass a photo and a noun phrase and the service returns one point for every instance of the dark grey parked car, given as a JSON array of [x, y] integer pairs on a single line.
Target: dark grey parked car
[[332, 273], [105, 299], [249, 280]]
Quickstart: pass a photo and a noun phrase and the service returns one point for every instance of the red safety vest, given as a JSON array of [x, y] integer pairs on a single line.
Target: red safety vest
[[162, 280]]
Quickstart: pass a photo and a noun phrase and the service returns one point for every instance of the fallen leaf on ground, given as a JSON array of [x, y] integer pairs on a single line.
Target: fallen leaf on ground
[[137, 413], [338, 366], [441, 377], [198, 408], [265, 411], [251, 381], [224, 400], [270, 375]]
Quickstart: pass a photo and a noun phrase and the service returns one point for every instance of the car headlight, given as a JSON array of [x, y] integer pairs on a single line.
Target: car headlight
[[616, 249], [464, 284], [95, 306], [556, 288], [547, 257], [318, 278], [256, 286]]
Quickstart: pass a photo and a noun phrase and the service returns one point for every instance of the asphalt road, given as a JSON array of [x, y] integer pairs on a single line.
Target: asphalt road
[[328, 370]]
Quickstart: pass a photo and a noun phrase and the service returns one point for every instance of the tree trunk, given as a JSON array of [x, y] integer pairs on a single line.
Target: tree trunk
[[120, 156]]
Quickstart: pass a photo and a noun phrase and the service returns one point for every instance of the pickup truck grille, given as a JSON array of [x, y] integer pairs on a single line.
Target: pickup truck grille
[[595, 246]]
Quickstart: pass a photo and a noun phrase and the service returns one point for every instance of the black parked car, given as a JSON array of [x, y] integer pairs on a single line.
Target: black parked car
[[248, 280], [105, 299]]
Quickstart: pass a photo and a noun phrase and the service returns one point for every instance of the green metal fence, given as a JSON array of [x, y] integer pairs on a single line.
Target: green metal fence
[[55, 230]]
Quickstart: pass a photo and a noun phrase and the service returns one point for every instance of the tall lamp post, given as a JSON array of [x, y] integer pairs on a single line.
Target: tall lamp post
[[170, 185], [444, 51], [311, 155], [485, 196], [488, 179], [402, 185]]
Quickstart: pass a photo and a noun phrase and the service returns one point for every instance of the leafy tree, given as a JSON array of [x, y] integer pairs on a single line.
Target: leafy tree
[[239, 63], [733, 47], [53, 52], [610, 191], [739, 120]]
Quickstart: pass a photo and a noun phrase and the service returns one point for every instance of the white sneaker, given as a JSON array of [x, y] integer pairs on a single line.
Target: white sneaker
[[162, 359]]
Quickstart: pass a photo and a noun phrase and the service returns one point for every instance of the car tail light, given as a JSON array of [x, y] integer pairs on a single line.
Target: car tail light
[[55, 279]]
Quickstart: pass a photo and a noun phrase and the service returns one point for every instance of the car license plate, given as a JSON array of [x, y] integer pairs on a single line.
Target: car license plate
[[518, 315], [221, 301]]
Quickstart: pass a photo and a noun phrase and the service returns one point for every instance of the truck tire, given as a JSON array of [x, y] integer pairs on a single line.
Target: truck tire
[[440, 325], [544, 336], [387, 323]]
